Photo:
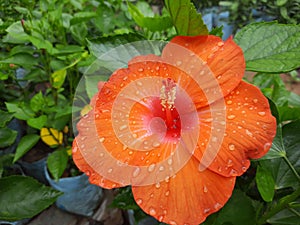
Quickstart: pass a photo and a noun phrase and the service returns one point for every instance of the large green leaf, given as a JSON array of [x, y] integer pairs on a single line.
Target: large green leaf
[[157, 23], [20, 109], [185, 17], [57, 163], [287, 216], [270, 47], [25, 144], [21, 59], [284, 168], [7, 137], [24, 197], [265, 183]]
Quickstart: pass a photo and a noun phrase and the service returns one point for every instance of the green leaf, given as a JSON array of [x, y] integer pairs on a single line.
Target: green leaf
[[21, 59], [270, 47], [286, 217], [16, 34], [283, 169], [37, 102], [38, 122], [41, 44], [23, 197], [277, 149], [58, 78], [157, 23], [265, 183], [25, 144], [57, 163], [20, 110], [5, 161], [7, 137], [238, 210], [82, 16], [124, 200], [185, 18], [217, 31], [5, 117]]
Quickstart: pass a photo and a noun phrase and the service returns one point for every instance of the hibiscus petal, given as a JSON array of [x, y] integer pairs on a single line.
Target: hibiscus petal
[[225, 62], [94, 177], [187, 198], [249, 131]]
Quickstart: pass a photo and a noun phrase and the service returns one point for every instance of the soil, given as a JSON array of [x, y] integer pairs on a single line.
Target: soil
[[39, 151]]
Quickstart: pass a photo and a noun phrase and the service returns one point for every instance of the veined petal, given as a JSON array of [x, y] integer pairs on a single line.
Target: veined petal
[[187, 198], [224, 60], [94, 177], [249, 132]]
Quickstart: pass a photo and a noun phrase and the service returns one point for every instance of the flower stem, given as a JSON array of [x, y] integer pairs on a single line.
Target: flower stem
[[283, 203]]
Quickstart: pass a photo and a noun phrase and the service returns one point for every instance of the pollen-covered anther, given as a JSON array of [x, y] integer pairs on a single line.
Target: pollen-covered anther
[[168, 94]]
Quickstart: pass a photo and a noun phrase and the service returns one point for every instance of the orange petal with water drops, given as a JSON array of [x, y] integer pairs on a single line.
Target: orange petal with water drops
[[94, 177], [224, 60], [248, 133], [187, 198]]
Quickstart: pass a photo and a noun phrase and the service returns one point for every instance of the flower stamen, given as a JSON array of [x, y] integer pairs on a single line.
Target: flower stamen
[[168, 94]]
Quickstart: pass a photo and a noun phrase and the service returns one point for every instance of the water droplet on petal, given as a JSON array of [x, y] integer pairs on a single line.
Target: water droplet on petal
[[156, 144], [136, 172], [220, 44], [205, 190], [205, 211], [261, 113], [167, 193], [172, 222], [139, 83], [231, 147], [152, 211], [157, 185], [233, 172], [255, 100], [267, 146], [229, 102], [249, 133], [140, 69], [123, 127], [244, 169], [110, 170], [217, 206], [170, 161], [102, 139], [139, 201], [160, 219], [161, 168], [231, 117], [151, 167]]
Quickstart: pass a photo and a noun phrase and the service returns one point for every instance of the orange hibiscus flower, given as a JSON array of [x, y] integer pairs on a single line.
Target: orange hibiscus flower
[[179, 128]]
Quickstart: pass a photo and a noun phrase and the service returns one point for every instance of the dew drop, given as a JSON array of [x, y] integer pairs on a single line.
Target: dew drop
[[88, 173], [244, 169], [110, 170], [217, 206], [157, 185], [160, 219], [249, 133], [261, 113], [152, 211], [151, 167], [205, 211], [139, 201], [123, 127], [161, 168], [140, 69], [205, 190], [220, 44], [139, 83], [102, 139], [255, 100], [233, 172], [178, 63], [172, 222], [267, 146], [170, 161], [229, 102], [167, 193], [231, 117], [156, 144], [231, 147], [101, 154]]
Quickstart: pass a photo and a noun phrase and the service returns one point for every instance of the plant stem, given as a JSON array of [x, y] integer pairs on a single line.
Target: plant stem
[[283, 203], [291, 167]]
